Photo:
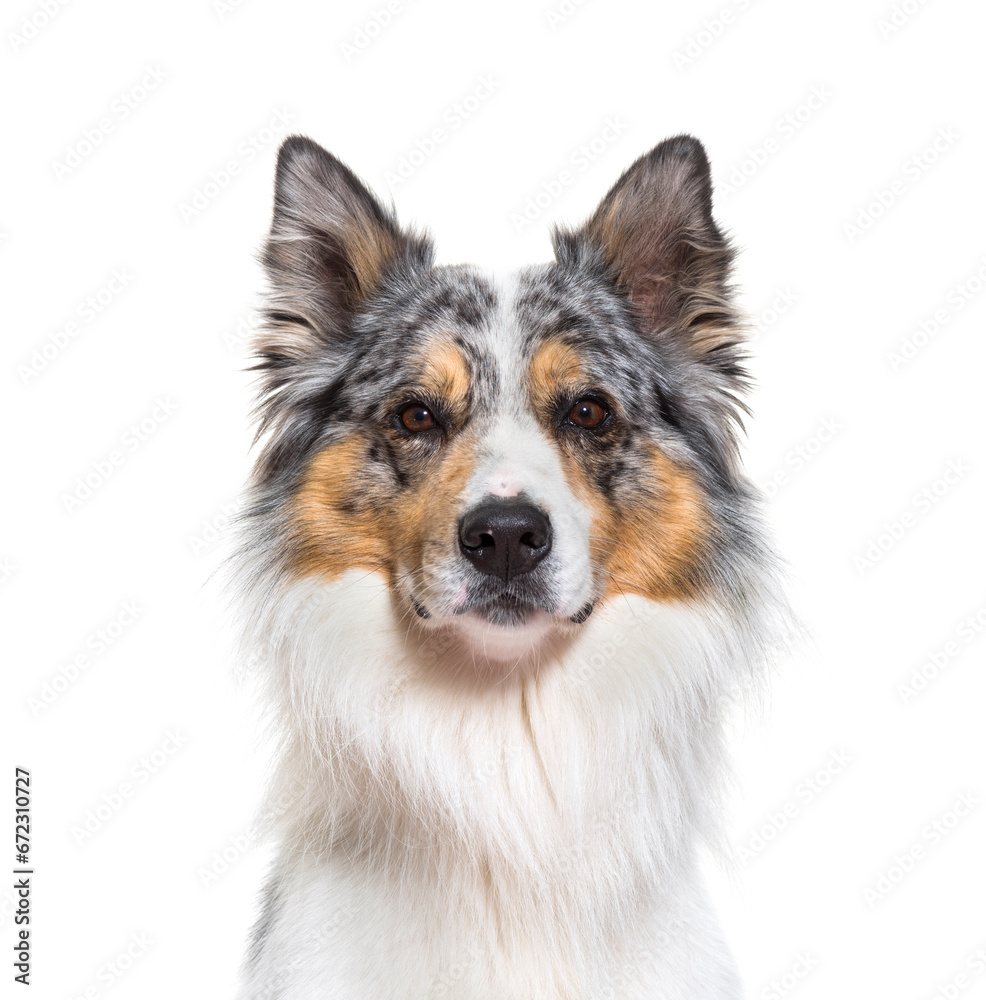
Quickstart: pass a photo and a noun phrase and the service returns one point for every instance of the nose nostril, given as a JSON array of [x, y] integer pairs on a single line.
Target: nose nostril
[[533, 540], [478, 540]]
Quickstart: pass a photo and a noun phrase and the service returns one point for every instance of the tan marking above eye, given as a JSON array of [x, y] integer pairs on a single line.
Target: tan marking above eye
[[554, 366], [445, 374]]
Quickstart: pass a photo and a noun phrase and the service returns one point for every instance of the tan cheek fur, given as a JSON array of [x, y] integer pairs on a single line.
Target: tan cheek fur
[[337, 525], [343, 520], [650, 545]]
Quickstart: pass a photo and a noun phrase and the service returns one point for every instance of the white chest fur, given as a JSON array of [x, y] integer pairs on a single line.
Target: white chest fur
[[522, 834]]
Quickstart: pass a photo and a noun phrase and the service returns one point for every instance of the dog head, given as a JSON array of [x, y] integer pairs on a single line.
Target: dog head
[[507, 454]]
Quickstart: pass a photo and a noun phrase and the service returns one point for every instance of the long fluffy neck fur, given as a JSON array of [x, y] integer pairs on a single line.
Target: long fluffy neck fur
[[590, 773]]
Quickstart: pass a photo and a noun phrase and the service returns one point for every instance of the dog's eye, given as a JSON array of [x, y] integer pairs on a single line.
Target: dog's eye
[[588, 413], [416, 417]]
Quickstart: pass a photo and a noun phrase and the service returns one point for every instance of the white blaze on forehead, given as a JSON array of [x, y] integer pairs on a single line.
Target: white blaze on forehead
[[515, 455]]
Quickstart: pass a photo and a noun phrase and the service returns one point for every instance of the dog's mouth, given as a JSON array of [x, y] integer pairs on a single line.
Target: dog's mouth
[[503, 624], [507, 610]]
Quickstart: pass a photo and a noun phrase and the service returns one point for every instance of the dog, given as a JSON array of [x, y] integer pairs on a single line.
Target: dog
[[503, 577]]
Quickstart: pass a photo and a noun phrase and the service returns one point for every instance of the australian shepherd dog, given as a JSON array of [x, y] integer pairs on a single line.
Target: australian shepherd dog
[[503, 577]]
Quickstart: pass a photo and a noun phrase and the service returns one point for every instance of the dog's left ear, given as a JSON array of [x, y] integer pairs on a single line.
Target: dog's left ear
[[662, 247]]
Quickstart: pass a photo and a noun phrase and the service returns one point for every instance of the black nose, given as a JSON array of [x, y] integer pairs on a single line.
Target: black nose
[[505, 538]]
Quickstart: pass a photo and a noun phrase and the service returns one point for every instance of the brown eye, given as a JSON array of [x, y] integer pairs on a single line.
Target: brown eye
[[588, 413], [416, 418]]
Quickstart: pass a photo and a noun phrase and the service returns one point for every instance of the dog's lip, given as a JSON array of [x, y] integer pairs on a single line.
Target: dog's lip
[[488, 607], [502, 602], [583, 613]]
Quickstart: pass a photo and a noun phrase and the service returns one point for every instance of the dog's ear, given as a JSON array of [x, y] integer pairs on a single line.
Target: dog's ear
[[331, 246], [659, 243]]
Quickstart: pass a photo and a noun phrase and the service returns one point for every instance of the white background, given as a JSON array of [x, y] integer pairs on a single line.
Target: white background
[[838, 281]]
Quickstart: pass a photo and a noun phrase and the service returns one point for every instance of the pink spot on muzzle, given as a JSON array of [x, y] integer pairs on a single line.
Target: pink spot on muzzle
[[505, 483]]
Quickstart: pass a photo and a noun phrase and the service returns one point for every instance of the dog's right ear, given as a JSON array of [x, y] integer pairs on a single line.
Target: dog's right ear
[[331, 246]]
